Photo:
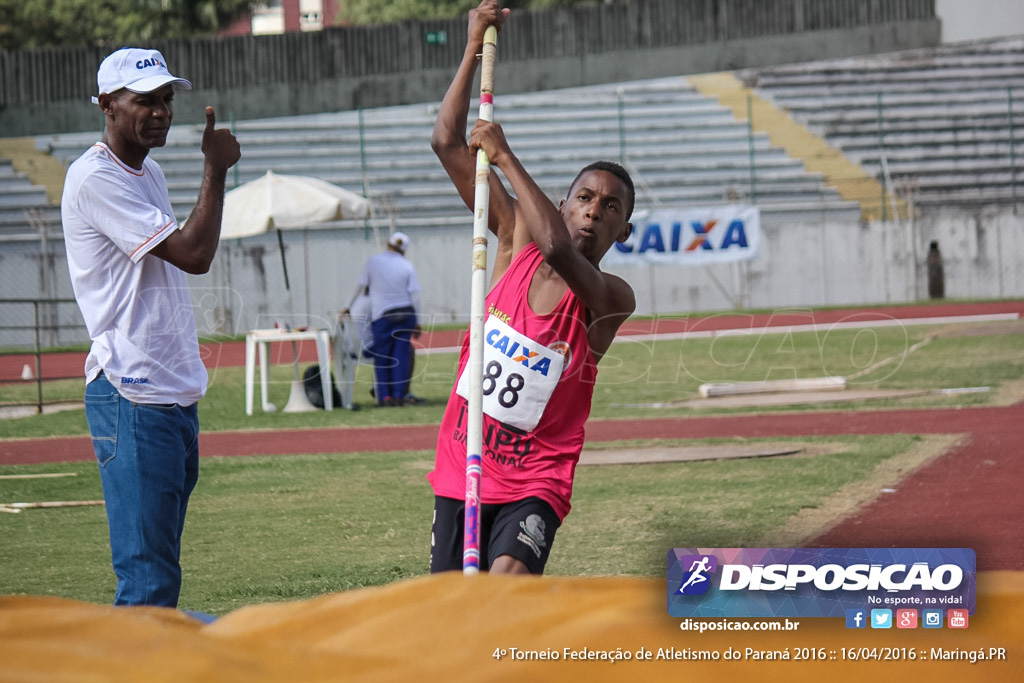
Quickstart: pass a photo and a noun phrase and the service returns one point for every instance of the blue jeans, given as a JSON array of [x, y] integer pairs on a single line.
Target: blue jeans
[[149, 463], [392, 344]]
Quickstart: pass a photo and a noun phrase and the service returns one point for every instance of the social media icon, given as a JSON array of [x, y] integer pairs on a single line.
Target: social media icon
[[881, 618], [958, 618], [931, 618], [856, 618], [906, 618]]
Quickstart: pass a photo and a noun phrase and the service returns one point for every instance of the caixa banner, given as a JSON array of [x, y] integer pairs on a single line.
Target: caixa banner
[[691, 236], [817, 582]]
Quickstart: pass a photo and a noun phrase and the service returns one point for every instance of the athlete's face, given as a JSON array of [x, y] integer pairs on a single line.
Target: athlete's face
[[595, 213]]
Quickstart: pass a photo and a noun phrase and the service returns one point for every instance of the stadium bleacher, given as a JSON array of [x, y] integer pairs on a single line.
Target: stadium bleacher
[[685, 149], [22, 203], [937, 119]]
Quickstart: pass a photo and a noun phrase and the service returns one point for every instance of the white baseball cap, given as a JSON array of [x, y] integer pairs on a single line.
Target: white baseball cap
[[399, 241], [136, 69]]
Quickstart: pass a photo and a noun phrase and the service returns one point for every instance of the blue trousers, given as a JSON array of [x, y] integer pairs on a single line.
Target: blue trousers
[[148, 458], [392, 342]]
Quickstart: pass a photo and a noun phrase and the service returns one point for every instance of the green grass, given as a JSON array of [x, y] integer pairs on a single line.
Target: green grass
[[263, 529], [626, 517], [633, 374], [53, 391]]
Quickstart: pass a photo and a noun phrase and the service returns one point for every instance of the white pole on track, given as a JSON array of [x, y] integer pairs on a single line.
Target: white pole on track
[[478, 293]]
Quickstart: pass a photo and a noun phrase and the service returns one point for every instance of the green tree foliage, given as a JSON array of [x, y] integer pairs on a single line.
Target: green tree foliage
[[47, 23], [383, 11], [378, 12]]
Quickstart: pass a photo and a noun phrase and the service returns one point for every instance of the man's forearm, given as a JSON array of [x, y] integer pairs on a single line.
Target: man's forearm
[[208, 213]]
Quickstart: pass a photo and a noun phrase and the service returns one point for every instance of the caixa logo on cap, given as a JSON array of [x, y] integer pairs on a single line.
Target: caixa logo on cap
[[822, 582], [148, 62]]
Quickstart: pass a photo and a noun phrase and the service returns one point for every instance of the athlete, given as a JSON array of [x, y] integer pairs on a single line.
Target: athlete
[[552, 314]]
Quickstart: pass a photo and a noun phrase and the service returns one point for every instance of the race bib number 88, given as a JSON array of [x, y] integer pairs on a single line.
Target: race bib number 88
[[519, 376]]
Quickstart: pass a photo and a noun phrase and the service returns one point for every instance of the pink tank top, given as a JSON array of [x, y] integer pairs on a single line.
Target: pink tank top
[[520, 460]]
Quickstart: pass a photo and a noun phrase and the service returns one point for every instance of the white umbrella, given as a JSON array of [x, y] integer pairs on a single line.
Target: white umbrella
[[287, 201], [282, 202]]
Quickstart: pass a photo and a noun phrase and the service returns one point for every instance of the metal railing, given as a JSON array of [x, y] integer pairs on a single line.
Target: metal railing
[[63, 73], [41, 336]]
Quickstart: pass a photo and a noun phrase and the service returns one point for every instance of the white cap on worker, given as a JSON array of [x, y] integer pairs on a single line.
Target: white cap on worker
[[399, 241], [139, 70]]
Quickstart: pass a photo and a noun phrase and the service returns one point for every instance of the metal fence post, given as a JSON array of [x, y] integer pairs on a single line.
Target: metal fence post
[[234, 131], [38, 355], [881, 151], [622, 125], [1013, 151], [750, 147], [362, 167]]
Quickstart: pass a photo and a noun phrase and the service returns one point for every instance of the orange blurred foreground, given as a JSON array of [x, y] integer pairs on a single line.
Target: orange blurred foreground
[[451, 627]]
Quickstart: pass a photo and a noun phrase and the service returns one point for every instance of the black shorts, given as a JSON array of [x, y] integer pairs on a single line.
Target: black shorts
[[524, 529]]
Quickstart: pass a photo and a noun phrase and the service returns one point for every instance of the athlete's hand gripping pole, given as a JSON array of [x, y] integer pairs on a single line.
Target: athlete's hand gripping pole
[[474, 435]]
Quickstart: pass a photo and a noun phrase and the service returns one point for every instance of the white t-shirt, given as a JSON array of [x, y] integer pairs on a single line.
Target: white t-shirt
[[136, 307], [392, 283]]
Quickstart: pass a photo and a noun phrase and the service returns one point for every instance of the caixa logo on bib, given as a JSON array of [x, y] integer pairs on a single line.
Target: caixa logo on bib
[[816, 582]]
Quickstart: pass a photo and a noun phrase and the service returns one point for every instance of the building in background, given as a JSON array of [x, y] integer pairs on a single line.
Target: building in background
[[979, 19], [285, 16], [961, 20]]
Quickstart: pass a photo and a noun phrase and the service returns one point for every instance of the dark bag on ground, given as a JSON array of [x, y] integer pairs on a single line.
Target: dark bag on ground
[[315, 390]]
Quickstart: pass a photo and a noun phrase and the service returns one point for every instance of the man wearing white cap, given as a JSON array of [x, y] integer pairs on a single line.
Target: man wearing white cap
[[394, 290], [128, 257]]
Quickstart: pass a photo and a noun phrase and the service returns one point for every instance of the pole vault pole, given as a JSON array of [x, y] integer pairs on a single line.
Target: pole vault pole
[[475, 368]]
